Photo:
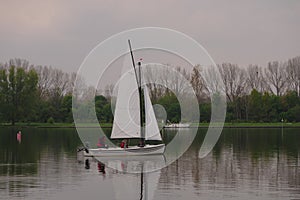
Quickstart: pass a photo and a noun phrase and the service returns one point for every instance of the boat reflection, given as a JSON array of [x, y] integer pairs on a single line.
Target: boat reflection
[[87, 164], [138, 175], [134, 164], [101, 167]]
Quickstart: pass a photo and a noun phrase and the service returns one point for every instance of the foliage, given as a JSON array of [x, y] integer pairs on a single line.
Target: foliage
[[171, 104], [50, 120], [31, 94], [18, 93]]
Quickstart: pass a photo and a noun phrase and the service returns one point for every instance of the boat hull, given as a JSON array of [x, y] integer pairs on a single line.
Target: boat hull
[[130, 151]]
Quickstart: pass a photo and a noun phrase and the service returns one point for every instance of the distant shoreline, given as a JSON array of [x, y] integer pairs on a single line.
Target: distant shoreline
[[194, 125]]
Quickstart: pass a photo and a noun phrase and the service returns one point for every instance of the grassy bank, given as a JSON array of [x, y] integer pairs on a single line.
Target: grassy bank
[[253, 125], [54, 125], [109, 125]]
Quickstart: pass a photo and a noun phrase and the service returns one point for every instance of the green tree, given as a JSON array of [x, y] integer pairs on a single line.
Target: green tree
[[172, 106], [108, 113], [66, 109], [18, 92], [293, 114], [3, 94], [290, 100], [100, 103], [255, 106], [205, 112]]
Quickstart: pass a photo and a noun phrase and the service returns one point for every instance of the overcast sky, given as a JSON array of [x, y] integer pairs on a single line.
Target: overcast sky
[[61, 33]]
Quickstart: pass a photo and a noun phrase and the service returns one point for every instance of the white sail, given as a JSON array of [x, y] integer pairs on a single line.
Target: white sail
[[151, 129], [127, 110]]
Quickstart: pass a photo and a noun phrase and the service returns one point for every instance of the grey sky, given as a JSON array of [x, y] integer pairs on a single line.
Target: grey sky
[[61, 33]]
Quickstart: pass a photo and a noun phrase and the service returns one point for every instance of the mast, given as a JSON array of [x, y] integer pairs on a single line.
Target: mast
[[139, 83], [142, 183]]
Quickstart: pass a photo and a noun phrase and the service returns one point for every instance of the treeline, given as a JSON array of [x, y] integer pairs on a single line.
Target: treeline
[[254, 93], [31, 93]]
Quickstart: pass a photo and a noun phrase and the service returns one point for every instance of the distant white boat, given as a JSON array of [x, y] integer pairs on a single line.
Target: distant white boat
[[128, 119], [177, 125]]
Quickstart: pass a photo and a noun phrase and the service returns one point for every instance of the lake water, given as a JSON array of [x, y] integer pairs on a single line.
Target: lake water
[[245, 164]]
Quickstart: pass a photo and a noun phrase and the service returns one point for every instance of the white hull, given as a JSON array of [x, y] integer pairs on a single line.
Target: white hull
[[130, 151], [177, 125]]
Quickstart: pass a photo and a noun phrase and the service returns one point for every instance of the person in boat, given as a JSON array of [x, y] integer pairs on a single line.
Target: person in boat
[[141, 143], [101, 142], [124, 143]]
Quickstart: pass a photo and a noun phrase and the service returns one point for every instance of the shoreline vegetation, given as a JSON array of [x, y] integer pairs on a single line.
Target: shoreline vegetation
[[262, 96], [193, 125]]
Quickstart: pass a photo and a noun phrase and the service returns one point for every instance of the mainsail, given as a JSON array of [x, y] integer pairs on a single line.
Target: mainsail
[[127, 110]]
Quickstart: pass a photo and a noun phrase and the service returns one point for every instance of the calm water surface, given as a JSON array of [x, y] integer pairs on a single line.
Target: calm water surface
[[245, 164]]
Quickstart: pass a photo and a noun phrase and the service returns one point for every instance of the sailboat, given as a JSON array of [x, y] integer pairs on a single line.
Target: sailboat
[[128, 117]]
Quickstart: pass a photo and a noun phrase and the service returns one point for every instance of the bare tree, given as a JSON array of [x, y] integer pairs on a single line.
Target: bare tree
[[54, 84], [198, 84], [234, 79], [18, 62], [156, 90], [59, 86], [293, 74], [179, 81], [45, 80], [255, 79], [71, 84], [276, 77], [108, 91]]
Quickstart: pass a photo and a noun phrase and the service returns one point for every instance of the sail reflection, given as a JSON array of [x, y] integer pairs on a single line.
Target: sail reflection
[[138, 175]]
